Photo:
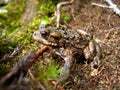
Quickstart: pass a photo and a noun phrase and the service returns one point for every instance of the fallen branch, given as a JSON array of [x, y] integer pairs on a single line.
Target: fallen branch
[[21, 69], [111, 6]]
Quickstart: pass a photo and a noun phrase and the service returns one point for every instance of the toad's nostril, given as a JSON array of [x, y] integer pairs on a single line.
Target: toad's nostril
[[35, 34]]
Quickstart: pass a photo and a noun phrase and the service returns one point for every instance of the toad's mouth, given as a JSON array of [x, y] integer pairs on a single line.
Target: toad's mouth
[[37, 36]]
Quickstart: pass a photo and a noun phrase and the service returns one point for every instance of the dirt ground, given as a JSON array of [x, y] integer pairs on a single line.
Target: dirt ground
[[104, 24]]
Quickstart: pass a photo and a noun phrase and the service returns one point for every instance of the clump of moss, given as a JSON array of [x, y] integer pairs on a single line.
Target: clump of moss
[[47, 73], [13, 33], [10, 23], [10, 20]]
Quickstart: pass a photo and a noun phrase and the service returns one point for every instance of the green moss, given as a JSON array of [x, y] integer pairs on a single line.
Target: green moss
[[10, 20], [49, 71], [12, 33], [47, 7], [10, 24], [66, 18]]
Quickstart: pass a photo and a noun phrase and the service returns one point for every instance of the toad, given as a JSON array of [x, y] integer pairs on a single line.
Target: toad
[[69, 44]]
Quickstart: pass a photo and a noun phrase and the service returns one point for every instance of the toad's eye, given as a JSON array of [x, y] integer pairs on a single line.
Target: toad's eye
[[44, 33]]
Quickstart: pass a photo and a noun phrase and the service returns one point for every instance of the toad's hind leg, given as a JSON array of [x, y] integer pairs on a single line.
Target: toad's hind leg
[[93, 54], [92, 50]]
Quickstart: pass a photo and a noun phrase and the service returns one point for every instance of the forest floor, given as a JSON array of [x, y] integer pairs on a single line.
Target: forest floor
[[104, 24]]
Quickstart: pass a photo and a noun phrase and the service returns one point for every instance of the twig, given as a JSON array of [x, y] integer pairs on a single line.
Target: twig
[[100, 5], [22, 67], [40, 86], [40, 51], [111, 6], [58, 10], [15, 52]]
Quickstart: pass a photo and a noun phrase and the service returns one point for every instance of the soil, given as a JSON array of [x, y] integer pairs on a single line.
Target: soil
[[104, 24]]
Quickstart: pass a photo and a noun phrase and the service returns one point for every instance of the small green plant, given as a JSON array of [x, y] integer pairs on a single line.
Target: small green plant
[[66, 18], [52, 70], [45, 19], [49, 71]]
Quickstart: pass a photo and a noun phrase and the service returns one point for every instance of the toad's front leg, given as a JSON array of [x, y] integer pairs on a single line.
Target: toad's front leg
[[68, 58], [66, 68]]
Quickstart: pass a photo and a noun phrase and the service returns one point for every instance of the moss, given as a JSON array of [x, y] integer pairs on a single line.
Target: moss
[[48, 72], [10, 23], [10, 20], [14, 33]]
